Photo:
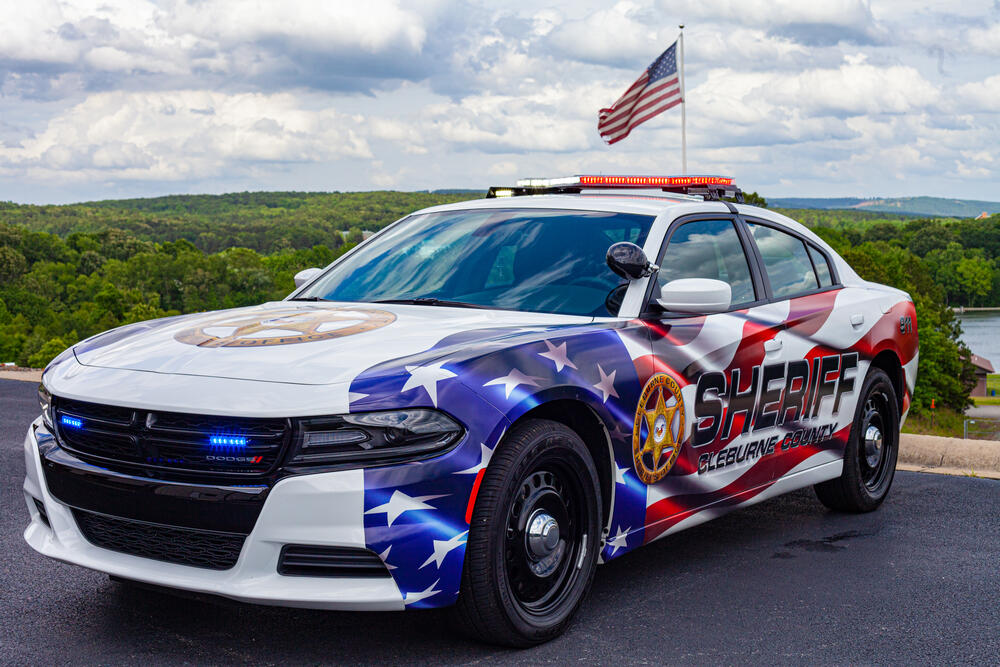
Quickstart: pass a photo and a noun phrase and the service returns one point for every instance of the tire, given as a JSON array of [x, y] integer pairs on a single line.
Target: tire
[[869, 462], [522, 587]]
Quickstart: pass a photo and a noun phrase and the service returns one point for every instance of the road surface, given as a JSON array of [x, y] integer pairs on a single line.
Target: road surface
[[786, 581]]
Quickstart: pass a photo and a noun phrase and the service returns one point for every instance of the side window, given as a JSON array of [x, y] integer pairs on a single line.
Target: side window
[[785, 260], [708, 249], [822, 267]]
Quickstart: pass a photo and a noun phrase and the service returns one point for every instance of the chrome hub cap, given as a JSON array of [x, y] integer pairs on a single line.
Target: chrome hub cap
[[542, 535], [873, 445], [545, 549]]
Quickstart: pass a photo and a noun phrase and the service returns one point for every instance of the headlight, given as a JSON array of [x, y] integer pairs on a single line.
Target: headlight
[[45, 403], [373, 438]]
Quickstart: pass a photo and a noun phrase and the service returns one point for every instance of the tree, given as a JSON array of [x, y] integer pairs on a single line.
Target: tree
[[975, 279], [12, 265], [48, 351], [944, 372]]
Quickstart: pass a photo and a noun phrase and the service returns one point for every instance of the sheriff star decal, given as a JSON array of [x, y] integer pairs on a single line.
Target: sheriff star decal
[[289, 326], [658, 428]]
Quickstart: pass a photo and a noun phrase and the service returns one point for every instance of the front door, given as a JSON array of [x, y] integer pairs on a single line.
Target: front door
[[693, 444]]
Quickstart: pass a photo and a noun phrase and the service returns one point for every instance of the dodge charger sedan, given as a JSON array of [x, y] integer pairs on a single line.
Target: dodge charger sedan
[[477, 406]]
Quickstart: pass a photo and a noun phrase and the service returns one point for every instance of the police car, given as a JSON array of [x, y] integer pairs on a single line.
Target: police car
[[479, 405]]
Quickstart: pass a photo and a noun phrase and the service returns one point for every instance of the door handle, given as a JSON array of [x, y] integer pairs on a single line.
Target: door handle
[[772, 345], [857, 319]]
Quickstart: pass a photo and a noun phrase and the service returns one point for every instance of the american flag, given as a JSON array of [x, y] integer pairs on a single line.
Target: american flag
[[658, 89]]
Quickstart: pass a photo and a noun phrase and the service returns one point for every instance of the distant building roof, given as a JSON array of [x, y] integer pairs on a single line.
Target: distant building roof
[[982, 216], [981, 363]]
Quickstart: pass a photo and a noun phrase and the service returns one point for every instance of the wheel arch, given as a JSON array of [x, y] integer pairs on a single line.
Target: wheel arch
[[585, 422], [888, 361]]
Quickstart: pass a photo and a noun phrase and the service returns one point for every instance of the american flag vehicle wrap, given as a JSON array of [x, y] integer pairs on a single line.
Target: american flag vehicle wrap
[[418, 521], [183, 451]]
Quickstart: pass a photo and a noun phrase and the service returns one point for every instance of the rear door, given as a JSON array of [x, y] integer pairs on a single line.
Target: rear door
[[806, 386]]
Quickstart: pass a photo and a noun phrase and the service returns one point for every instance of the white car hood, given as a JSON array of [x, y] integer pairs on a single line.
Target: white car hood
[[294, 342]]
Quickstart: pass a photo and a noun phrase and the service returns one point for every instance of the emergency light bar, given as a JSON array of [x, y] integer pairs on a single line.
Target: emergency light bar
[[709, 187]]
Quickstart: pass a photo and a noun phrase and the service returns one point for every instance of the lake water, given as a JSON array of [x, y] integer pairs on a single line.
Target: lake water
[[981, 332]]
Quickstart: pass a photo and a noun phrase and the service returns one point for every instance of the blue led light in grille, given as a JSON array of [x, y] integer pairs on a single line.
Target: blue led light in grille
[[66, 420], [227, 441]]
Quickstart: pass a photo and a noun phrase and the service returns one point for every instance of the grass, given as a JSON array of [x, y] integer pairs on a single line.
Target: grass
[[986, 400], [943, 422]]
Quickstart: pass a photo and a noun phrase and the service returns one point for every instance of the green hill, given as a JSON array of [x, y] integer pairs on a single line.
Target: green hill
[[936, 207], [263, 221]]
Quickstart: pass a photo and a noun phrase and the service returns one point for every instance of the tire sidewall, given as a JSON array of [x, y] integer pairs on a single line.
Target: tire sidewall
[[554, 438], [876, 380]]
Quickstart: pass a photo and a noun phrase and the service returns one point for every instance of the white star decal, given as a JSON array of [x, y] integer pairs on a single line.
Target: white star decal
[[399, 502], [417, 596], [485, 454], [356, 396], [512, 380], [385, 558], [620, 474], [557, 353], [427, 377], [443, 547], [607, 384], [619, 541]]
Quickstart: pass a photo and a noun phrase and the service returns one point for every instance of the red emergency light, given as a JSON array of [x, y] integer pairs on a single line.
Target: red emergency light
[[709, 187]]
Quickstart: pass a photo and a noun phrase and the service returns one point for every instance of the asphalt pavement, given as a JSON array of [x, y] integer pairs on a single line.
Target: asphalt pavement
[[784, 582], [983, 412]]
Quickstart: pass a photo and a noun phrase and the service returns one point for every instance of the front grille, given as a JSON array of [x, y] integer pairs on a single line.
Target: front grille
[[197, 548], [313, 561], [168, 441]]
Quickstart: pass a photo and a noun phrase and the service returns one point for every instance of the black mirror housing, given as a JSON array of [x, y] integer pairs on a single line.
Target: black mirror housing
[[629, 261]]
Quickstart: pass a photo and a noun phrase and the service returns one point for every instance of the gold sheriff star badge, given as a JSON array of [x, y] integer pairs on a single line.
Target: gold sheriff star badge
[[660, 414]]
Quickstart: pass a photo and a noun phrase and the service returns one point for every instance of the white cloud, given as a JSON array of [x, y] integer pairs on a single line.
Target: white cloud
[[845, 96], [981, 95], [502, 123], [826, 22], [372, 26], [620, 35], [184, 134]]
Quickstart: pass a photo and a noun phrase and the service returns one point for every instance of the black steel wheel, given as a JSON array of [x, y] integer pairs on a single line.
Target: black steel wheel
[[870, 457], [533, 542]]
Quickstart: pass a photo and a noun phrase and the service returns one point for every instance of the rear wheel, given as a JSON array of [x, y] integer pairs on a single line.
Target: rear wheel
[[870, 457], [533, 541]]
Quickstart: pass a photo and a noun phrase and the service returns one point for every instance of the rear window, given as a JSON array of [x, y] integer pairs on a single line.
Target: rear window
[[822, 267], [786, 261]]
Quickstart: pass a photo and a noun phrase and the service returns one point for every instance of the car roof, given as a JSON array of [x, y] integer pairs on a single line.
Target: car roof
[[631, 202], [651, 203]]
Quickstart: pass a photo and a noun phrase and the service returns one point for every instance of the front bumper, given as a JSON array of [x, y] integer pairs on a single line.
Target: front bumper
[[320, 509]]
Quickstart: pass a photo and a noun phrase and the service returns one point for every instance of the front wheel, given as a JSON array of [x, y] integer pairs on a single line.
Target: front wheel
[[870, 457], [534, 537]]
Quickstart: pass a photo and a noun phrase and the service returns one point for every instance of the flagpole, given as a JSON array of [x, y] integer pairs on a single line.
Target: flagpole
[[684, 149]]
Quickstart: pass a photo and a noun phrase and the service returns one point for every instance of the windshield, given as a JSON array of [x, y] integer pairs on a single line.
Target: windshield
[[541, 260]]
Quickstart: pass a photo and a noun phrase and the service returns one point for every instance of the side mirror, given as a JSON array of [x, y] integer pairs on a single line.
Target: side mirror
[[696, 295], [629, 261], [305, 275]]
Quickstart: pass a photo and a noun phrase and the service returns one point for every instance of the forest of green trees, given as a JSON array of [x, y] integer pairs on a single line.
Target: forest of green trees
[[68, 272]]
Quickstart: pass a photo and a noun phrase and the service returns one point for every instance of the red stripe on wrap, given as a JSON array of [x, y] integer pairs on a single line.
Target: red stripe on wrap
[[662, 515]]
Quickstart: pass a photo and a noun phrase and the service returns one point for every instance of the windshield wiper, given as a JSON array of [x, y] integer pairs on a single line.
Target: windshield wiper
[[308, 298], [431, 301]]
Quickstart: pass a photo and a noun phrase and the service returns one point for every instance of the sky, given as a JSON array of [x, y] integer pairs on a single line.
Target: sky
[[107, 99]]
